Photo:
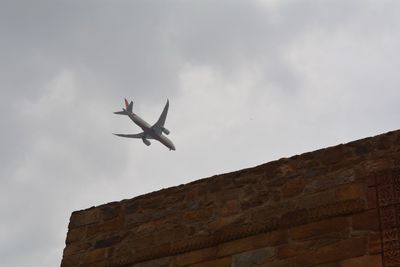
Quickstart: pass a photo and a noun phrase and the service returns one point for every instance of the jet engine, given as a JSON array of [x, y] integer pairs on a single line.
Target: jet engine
[[165, 130], [147, 142]]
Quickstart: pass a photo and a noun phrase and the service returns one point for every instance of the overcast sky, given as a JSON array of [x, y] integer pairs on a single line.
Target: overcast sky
[[248, 82]]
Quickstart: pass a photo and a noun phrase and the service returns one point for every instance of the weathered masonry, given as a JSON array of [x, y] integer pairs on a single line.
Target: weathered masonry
[[335, 207]]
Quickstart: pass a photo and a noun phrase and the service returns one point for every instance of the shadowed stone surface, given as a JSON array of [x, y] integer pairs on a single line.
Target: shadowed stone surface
[[338, 206]]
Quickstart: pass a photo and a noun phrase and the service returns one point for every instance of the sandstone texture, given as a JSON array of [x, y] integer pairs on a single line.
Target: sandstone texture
[[334, 207]]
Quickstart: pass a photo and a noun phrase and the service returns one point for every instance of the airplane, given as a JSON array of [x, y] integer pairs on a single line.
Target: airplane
[[149, 132]]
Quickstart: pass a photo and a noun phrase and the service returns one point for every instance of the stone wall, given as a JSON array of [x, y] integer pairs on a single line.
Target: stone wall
[[333, 207]]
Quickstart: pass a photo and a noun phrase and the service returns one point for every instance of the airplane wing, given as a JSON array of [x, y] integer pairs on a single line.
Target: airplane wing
[[139, 135], [159, 125]]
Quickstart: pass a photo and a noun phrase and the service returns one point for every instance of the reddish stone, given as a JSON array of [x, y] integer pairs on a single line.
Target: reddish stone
[[110, 212], [293, 218], [334, 154], [111, 225], [195, 256], [341, 250], [254, 257], [336, 209], [95, 255], [279, 263], [363, 261], [76, 248], [84, 217], [374, 243], [71, 260], [75, 235], [370, 180], [199, 214], [229, 208], [385, 194], [384, 177], [293, 249], [254, 201], [293, 187], [371, 198], [222, 222], [224, 262], [253, 242], [392, 257], [108, 242], [368, 220], [162, 262], [388, 217], [350, 191], [170, 235], [315, 229]]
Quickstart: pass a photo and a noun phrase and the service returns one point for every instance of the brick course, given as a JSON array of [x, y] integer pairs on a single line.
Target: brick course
[[338, 206]]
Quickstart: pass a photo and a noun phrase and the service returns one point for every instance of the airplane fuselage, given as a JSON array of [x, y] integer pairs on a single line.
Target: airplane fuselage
[[149, 131]]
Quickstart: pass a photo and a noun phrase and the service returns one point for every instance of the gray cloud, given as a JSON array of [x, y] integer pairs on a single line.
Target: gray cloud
[[248, 81]]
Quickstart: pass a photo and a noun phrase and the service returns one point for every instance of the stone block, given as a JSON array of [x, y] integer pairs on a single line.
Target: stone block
[[374, 243], [317, 199], [388, 217], [95, 255], [371, 198], [77, 248], [366, 221], [136, 218], [75, 235], [84, 217], [293, 249], [106, 227], [104, 263], [107, 242], [340, 208], [279, 263], [293, 187], [292, 218], [363, 261], [202, 214], [315, 229], [252, 242], [253, 257], [110, 212], [370, 180], [254, 201], [223, 262], [72, 260], [196, 256], [191, 244], [351, 191], [230, 207], [345, 249], [162, 262], [330, 264], [222, 222]]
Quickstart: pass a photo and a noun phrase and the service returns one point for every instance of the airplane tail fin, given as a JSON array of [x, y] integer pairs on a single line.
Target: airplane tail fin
[[128, 106], [128, 109]]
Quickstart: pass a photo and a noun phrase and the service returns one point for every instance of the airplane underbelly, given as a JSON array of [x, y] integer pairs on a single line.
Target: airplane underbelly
[[165, 141], [141, 123]]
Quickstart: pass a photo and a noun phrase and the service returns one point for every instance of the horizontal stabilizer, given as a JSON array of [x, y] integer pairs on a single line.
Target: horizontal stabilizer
[[123, 112]]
